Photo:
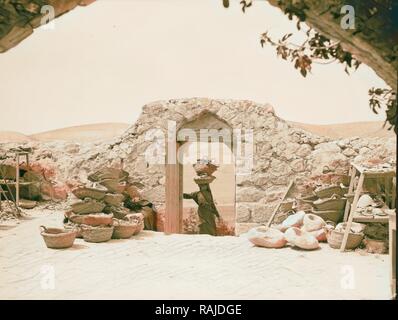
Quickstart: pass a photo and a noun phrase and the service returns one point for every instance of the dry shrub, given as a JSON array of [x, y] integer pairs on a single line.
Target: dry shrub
[[191, 222], [160, 218], [46, 171], [223, 229]]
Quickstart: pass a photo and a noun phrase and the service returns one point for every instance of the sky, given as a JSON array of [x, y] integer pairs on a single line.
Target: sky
[[103, 62]]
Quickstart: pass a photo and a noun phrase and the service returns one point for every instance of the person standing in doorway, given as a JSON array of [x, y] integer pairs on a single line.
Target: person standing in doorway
[[207, 210]]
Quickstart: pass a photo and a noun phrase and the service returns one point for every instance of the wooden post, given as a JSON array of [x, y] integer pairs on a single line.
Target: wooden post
[[353, 172], [388, 190], [27, 161], [17, 182], [173, 219], [279, 204], [393, 251], [352, 212], [393, 192]]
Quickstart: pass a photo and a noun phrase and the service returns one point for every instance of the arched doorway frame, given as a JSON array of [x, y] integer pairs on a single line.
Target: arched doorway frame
[[174, 171]]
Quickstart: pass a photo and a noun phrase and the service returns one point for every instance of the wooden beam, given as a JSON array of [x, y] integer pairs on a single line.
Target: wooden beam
[[173, 218], [358, 193], [27, 161], [17, 182], [279, 204], [393, 251], [353, 172]]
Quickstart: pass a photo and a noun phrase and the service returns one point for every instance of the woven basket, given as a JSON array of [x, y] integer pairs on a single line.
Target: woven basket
[[308, 199], [204, 179], [56, 238], [96, 234], [330, 204], [205, 168], [330, 215], [124, 230], [329, 191], [113, 186], [76, 218], [87, 206], [335, 239], [344, 179], [286, 206], [97, 193], [282, 216], [74, 227], [98, 219], [139, 228]]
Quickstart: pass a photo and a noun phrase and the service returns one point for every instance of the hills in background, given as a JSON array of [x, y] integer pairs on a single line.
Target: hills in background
[[83, 133], [368, 129], [104, 131]]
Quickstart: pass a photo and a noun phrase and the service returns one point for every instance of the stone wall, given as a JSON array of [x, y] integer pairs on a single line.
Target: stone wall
[[282, 152]]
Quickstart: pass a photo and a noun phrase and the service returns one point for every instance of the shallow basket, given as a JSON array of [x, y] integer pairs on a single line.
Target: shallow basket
[[56, 238], [335, 239], [309, 199], [98, 219], [330, 204], [327, 192], [204, 179], [74, 227], [329, 215], [97, 234], [205, 168], [124, 231], [139, 228]]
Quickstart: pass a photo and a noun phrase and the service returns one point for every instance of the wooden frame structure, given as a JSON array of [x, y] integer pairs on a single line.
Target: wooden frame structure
[[356, 191], [174, 182], [17, 183], [174, 210], [17, 172], [393, 252]]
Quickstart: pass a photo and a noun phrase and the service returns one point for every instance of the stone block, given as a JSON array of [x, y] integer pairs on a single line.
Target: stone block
[[243, 212], [249, 194], [261, 212]]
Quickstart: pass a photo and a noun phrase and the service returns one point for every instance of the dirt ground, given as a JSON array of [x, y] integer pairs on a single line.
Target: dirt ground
[[157, 266]]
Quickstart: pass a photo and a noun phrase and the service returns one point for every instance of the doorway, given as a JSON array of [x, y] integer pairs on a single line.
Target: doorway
[[223, 187], [206, 133]]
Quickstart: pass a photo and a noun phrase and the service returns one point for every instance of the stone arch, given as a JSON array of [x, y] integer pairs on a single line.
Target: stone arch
[[205, 126]]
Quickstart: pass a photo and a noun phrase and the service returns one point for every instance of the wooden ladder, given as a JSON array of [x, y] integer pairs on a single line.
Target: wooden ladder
[[356, 191], [3, 194]]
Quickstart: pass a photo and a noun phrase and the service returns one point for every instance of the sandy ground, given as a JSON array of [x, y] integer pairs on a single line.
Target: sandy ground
[[157, 266]]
